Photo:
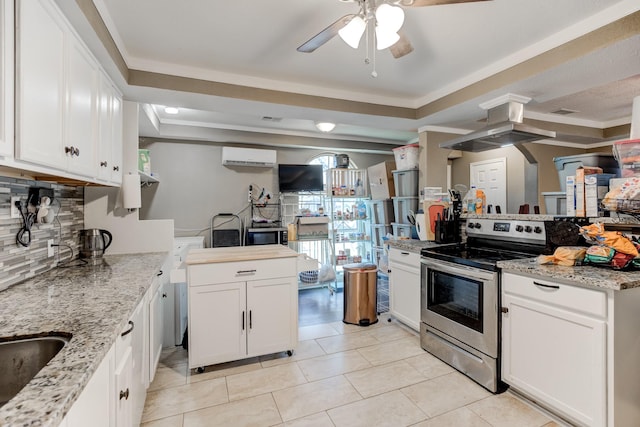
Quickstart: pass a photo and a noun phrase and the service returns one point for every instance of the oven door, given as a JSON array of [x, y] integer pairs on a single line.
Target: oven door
[[461, 302]]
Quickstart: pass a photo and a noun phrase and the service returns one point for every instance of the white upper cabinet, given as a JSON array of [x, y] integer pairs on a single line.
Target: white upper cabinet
[[6, 78], [82, 114], [109, 132], [40, 88], [67, 110]]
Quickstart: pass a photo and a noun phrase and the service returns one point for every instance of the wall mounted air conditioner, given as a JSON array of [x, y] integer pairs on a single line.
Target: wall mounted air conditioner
[[234, 156]]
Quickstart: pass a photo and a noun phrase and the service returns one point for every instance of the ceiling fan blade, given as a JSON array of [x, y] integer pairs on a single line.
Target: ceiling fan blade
[[420, 3], [325, 35], [402, 47]]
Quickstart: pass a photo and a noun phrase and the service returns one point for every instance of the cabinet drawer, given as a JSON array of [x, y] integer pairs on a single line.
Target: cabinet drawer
[[588, 301], [405, 257], [225, 272]]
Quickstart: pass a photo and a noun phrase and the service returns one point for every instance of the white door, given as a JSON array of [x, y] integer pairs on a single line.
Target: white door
[[491, 177]]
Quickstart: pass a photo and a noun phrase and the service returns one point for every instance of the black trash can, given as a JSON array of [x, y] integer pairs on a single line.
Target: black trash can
[[360, 294]]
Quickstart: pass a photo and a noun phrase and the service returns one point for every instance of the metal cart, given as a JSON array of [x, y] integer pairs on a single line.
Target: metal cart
[[226, 230]]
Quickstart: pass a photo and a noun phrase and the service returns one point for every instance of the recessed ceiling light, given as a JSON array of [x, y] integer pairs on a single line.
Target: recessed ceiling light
[[564, 111], [325, 126], [171, 110]]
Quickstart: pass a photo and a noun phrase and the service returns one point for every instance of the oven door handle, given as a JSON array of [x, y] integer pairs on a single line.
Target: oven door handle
[[459, 270]]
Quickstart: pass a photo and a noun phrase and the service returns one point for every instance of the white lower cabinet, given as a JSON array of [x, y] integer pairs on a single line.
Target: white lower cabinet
[[93, 406], [404, 287], [158, 294], [242, 318], [554, 346], [131, 362], [573, 350], [123, 378]]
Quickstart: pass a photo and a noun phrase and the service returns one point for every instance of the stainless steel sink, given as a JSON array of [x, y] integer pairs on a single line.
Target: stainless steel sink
[[22, 359]]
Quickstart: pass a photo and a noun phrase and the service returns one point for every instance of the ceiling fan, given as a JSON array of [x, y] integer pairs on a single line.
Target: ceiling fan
[[387, 17]]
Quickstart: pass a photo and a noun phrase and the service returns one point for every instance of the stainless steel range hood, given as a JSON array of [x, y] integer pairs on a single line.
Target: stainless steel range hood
[[504, 127]]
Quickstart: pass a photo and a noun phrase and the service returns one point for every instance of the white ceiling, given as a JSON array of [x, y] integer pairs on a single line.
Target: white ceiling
[[253, 43]]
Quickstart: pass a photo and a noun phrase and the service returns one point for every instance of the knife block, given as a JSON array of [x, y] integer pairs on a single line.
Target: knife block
[[447, 231]]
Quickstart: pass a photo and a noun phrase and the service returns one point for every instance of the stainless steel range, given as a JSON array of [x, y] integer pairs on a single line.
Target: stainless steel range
[[460, 291]]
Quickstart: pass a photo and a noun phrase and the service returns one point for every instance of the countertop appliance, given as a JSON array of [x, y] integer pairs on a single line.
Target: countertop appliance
[[93, 243], [266, 236], [460, 291]]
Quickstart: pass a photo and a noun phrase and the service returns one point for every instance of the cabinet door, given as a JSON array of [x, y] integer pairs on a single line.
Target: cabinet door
[[122, 377], [272, 315], [557, 357], [116, 138], [105, 130], [6, 78], [82, 120], [40, 66], [93, 406], [217, 323], [404, 294], [139, 362], [156, 330]]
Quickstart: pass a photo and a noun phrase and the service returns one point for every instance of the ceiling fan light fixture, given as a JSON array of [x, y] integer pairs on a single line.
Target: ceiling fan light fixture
[[325, 126], [389, 17], [385, 38], [353, 31]]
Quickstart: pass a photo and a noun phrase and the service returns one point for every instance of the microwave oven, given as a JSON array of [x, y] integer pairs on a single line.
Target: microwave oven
[[266, 236]]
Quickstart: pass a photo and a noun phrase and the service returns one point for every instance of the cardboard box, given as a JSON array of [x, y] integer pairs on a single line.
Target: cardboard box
[[144, 161], [381, 180], [571, 195], [581, 172], [595, 188], [312, 227]]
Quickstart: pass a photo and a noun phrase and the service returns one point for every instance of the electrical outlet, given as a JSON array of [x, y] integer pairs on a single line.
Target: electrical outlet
[[50, 248], [15, 212]]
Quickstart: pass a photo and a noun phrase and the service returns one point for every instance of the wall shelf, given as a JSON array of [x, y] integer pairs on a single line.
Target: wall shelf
[[146, 179]]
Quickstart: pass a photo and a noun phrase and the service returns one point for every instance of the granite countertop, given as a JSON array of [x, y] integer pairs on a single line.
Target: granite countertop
[[238, 253], [584, 276], [90, 303], [411, 245]]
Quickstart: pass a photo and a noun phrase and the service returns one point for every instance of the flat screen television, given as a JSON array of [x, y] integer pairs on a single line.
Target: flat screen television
[[295, 178]]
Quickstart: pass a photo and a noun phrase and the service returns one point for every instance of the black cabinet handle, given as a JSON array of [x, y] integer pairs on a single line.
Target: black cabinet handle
[[250, 320], [103, 164], [164, 295], [546, 286], [116, 168], [404, 253], [124, 394], [243, 320], [160, 273], [128, 331]]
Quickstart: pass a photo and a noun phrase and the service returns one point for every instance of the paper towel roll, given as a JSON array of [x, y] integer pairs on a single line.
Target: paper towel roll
[[635, 119], [130, 189]]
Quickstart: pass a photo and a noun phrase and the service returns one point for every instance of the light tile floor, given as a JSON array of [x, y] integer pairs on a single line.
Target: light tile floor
[[340, 375]]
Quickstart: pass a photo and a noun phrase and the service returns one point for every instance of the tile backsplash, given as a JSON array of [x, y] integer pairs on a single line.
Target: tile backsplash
[[19, 263]]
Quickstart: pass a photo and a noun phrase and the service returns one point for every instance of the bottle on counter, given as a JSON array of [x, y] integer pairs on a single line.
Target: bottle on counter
[[469, 201]]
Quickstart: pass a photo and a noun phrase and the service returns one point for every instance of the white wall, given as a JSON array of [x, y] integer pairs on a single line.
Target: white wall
[[194, 186]]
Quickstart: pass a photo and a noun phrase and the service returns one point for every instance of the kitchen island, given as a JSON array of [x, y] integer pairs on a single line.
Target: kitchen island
[[243, 302], [570, 340], [92, 305]]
